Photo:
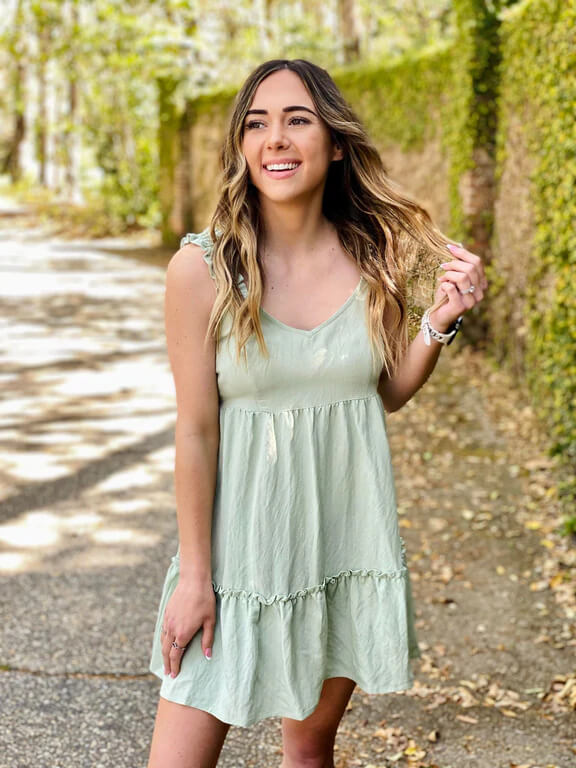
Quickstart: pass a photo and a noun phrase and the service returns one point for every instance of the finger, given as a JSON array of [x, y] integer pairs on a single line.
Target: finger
[[477, 294], [462, 253], [460, 278], [162, 638], [176, 657], [473, 258], [461, 301], [207, 638], [463, 283], [166, 645], [462, 267], [456, 276]]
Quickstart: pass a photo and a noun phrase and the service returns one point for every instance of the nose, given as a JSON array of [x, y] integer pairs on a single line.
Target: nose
[[276, 136]]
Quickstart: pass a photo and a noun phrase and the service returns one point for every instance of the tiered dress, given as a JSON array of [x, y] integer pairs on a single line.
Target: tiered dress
[[308, 567]]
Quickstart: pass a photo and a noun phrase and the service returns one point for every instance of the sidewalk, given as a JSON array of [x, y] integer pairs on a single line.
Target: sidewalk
[[88, 526]]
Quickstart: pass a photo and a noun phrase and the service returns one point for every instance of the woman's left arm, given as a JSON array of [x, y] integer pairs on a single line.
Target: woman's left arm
[[464, 272]]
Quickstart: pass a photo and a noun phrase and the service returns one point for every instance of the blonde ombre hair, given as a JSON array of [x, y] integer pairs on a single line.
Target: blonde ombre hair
[[392, 238]]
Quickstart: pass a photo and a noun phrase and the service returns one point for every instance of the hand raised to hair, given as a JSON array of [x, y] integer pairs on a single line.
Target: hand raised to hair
[[463, 283]]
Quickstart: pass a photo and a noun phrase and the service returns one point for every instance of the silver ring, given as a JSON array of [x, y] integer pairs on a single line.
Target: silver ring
[[468, 290], [179, 647]]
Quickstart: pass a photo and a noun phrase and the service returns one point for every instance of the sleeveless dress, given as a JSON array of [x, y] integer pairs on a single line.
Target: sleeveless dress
[[308, 567]]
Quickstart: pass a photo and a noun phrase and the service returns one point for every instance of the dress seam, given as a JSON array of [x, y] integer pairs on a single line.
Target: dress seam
[[309, 591], [303, 408], [247, 594]]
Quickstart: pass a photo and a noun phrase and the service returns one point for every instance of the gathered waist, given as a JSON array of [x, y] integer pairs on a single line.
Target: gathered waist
[[261, 406]]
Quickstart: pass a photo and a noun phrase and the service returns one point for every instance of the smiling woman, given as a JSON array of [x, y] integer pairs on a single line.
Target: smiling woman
[[286, 328]]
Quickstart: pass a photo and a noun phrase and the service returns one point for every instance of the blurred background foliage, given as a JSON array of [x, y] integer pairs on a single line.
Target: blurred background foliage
[[80, 79]]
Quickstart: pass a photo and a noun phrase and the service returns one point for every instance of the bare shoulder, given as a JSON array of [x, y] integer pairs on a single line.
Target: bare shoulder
[[189, 298], [187, 266]]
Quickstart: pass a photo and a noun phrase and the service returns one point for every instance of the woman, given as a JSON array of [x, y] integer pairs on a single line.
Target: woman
[[287, 333]]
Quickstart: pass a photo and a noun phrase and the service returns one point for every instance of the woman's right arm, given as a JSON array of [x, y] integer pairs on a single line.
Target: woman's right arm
[[189, 297]]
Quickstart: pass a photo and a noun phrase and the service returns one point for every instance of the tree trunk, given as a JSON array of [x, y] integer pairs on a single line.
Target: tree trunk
[[72, 134], [349, 30], [12, 161]]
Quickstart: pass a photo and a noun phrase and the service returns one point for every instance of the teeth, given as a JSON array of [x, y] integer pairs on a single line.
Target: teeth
[[282, 166]]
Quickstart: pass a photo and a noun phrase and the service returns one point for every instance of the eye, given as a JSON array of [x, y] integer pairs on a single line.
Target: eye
[[253, 123]]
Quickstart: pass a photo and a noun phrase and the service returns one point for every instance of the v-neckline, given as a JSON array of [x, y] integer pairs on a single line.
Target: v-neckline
[[310, 331]]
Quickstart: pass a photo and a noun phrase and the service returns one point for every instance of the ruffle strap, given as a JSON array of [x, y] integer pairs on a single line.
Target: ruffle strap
[[204, 240]]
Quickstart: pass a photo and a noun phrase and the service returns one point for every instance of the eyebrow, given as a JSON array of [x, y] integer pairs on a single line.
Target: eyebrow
[[286, 109]]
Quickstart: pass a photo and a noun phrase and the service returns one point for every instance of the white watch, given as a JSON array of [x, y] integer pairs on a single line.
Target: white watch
[[444, 338]]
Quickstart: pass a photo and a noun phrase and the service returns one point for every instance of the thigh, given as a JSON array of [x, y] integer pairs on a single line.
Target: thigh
[[317, 731], [185, 737]]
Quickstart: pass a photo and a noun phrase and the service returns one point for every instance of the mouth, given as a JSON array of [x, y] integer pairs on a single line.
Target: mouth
[[282, 174]]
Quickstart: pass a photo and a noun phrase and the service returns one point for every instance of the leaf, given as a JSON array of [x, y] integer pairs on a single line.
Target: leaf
[[533, 525], [467, 719], [538, 586]]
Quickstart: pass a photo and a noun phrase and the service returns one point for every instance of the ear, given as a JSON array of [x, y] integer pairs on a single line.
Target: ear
[[337, 153]]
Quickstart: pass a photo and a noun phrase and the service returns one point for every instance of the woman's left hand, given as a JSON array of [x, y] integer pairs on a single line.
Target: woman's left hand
[[465, 270]]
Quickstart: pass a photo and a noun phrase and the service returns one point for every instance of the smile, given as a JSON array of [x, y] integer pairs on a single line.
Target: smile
[[283, 173]]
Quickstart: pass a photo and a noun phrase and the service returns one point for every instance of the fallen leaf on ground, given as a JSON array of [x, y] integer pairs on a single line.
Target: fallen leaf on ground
[[467, 719]]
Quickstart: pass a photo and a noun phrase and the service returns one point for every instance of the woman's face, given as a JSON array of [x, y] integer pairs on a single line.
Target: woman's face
[[273, 136]]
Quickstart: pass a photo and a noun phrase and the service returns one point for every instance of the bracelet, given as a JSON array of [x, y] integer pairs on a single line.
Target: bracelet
[[444, 338]]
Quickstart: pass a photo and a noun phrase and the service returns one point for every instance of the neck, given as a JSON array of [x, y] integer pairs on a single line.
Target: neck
[[291, 233]]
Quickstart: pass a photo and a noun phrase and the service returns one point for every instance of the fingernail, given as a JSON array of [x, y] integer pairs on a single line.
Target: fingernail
[[444, 265], [208, 653], [449, 246]]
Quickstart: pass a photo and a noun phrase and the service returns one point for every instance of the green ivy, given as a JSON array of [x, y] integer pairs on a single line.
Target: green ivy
[[539, 78]]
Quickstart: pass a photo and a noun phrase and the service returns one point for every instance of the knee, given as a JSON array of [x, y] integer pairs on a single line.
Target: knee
[[312, 752], [320, 762]]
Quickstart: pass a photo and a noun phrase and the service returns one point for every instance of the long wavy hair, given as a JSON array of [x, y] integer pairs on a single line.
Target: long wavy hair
[[393, 239]]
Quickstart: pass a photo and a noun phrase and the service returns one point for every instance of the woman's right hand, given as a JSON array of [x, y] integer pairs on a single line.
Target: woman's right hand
[[192, 606]]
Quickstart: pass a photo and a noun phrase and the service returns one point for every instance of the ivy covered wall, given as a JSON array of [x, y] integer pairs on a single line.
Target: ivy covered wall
[[533, 275]]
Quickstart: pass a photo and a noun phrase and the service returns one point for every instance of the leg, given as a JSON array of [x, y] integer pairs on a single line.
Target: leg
[[185, 737], [309, 743]]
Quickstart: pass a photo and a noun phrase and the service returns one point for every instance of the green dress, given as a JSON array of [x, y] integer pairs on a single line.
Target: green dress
[[308, 567]]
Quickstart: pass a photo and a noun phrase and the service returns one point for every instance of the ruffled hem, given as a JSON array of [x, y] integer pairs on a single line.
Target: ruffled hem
[[309, 591], [269, 658], [199, 699], [245, 594]]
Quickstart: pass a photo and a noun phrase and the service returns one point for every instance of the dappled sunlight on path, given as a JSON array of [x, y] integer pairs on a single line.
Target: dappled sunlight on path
[[87, 406]]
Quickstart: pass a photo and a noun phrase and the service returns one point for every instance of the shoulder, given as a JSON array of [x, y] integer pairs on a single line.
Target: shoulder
[[189, 275], [190, 260], [200, 242]]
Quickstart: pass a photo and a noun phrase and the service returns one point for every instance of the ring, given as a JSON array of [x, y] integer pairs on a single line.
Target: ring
[[469, 290], [179, 647]]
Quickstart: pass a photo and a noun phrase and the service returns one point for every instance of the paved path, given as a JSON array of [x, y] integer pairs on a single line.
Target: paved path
[[87, 528]]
